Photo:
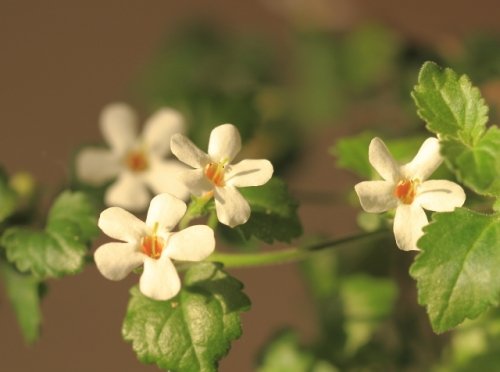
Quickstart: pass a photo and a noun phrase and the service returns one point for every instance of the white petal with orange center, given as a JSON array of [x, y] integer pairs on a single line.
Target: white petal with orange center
[[116, 260], [408, 223], [194, 243], [382, 160], [440, 195], [427, 160], [165, 210], [159, 280], [159, 129], [224, 143], [231, 207], [376, 196], [119, 224], [249, 172], [187, 152], [96, 166], [119, 127], [129, 192]]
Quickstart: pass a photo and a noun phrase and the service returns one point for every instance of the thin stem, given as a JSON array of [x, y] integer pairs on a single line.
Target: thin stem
[[285, 255]]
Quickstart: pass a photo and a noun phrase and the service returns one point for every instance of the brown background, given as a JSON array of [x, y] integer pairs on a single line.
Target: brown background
[[61, 61]]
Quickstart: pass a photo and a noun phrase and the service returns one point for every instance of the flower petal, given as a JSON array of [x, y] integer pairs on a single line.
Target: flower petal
[[224, 143], [195, 181], [166, 210], [119, 224], [194, 243], [231, 207], [376, 196], [128, 192], [164, 176], [96, 166], [119, 127], [187, 152], [250, 172], [408, 223], [159, 129], [440, 195], [116, 260], [159, 279], [382, 160], [427, 160]]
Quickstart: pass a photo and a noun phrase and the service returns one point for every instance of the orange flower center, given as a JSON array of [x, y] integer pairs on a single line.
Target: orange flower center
[[136, 161], [406, 190], [152, 246], [215, 173]]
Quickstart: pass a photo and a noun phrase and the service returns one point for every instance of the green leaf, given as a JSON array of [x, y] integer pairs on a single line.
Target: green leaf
[[367, 302], [23, 292], [61, 247], [8, 197], [477, 166], [449, 104], [284, 354], [457, 270], [192, 331], [274, 213]]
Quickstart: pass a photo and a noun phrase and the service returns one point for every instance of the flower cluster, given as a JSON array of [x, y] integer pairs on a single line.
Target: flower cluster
[[138, 164], [405, 189]]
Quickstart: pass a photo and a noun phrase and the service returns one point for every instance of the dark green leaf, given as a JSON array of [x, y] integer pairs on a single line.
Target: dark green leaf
[[274, 213], [192, 331], [24, 295], [457, 270], [59, 249]]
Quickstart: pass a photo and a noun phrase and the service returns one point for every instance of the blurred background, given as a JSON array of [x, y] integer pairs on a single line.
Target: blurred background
[[294, 75]]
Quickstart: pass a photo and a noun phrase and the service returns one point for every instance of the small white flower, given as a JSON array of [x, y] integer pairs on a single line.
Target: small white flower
[[214, 173], [404, 188], [138, 162], [153, 244]]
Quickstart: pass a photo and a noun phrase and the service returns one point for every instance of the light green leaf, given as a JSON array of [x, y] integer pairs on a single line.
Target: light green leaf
[[274, 213], [367, 302], [23, 292], [449, 104], [284, 354], [61, 247], [192, 331], [457, 270], [477, 166], [8, 197]]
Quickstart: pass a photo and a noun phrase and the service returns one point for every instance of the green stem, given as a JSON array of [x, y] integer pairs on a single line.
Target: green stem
[[234, 260]]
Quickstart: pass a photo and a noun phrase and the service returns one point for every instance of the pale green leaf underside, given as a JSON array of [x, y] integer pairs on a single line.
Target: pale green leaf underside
[[449, 104], [60, 249], [457, 271], [192, 331], [274, 213], [23, 293]]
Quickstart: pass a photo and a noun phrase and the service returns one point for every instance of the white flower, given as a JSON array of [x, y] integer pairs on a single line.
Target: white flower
[[213, 172], [137, 161], [153, 244], [404, 188]]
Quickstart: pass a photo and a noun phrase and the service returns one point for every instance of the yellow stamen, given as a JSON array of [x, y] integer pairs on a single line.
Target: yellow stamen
[[406, 190]]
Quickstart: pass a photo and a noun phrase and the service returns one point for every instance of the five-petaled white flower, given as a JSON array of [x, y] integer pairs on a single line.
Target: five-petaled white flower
[[215, 174], [153, 244], [137, 161], [404, 188]]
